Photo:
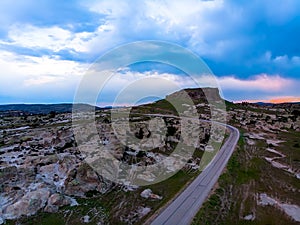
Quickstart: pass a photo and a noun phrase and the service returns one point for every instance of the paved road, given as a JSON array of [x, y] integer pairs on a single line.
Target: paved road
[[183, 209]]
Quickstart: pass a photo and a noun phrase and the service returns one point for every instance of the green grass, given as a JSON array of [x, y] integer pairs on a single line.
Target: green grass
[[248, 174]]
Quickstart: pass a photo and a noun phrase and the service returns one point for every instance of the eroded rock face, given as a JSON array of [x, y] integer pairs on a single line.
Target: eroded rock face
[[41, 166], [34, 166], [28, 205], [55, 201], [56, 173], [84, 179]]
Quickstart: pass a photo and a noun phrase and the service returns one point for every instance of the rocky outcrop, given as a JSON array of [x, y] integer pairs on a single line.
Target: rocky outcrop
[[55, 201], [147, 193], [41, 167], [84, 179], [28, 205], [34, 167], [198, 95]]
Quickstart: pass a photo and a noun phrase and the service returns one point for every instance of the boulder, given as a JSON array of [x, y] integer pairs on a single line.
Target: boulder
[[28, 205], [55, 201], [86, 219], [58, 199], [51, 208], [83, 180], [147, 193]]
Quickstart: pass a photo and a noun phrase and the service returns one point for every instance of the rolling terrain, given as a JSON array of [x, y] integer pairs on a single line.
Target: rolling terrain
[[39, 157]]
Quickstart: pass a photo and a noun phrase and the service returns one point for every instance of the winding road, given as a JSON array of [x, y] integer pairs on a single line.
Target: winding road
[[184, 208]]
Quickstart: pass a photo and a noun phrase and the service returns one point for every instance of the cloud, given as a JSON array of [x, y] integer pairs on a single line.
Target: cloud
[[46, 79], [231, 35], [280, 61], [214, 29], [55, 38], [47, 13], [131, 86], [258, 87], [274, 99], [28, 36], [126, 86], [262, 82], [42, 43], [282, 99], [185, 23], [38, 79], [41, 81]]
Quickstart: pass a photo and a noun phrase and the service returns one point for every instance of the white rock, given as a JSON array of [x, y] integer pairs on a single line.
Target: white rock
[[249, 217], [86, 219], [142, 211], [73, 201], [146, 193], [266, 200], [274, 142], [275, 152], [291, 210], [209, 148]]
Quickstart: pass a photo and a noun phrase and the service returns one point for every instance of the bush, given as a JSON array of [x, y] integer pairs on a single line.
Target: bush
[[296, 145]]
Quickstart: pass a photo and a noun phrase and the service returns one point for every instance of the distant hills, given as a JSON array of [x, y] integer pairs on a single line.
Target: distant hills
[[37, 108], [270, 104], [198, 95], [263, 103], [43, 108]]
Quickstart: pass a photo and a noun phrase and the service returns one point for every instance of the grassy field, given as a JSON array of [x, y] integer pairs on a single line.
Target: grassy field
[[247, 175]]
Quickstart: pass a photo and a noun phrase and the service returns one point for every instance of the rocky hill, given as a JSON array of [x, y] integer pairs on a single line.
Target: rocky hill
[[198, 95]]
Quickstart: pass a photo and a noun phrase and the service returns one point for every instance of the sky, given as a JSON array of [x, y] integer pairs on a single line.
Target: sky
[[46, 47]]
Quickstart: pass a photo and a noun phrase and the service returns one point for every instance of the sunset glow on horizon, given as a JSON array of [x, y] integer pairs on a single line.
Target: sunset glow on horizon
[[275, 100]]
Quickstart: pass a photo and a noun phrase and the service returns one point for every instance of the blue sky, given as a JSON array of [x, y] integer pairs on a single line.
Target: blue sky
[[47, 46]]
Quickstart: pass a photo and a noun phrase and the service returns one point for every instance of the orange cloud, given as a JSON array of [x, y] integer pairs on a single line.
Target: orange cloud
[[285, 99], [275, 100]]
